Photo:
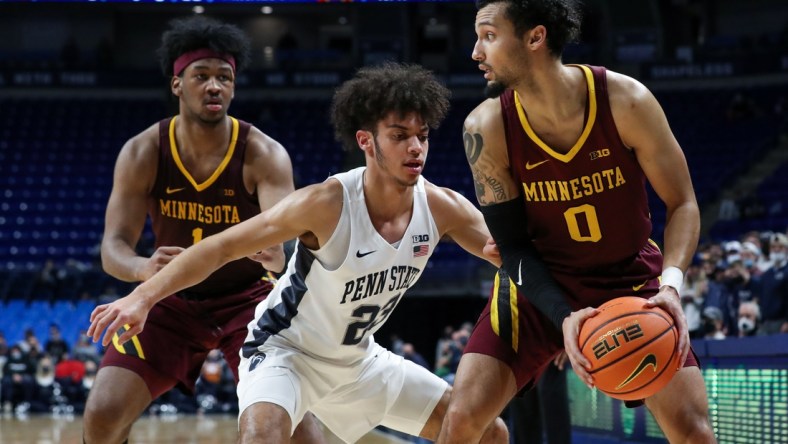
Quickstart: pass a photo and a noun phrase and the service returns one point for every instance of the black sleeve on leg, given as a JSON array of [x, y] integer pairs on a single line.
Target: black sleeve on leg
[[521, 261]]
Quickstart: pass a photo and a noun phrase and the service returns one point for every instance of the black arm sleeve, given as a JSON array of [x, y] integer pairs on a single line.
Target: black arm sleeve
[[522, 262]]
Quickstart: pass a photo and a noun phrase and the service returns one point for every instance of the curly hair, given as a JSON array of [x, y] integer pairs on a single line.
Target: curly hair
[[562, 19], [374, 92], [198, 32]]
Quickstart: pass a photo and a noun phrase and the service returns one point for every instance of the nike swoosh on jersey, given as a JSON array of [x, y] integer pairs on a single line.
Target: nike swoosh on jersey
[[520, 273], [360, 254], [649, 359], [174, 190], [638, 287], [529, 166]]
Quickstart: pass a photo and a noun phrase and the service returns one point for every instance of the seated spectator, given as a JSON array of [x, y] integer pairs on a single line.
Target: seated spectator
[[45, 385], [749, 318], [55, 345], [18, 384], [693, 295], [30, 343], [69, 373], [773, 288], [713, 323], [84, 349], [3, 354]]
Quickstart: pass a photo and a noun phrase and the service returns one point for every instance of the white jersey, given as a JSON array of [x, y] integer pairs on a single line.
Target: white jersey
[[330, 301]]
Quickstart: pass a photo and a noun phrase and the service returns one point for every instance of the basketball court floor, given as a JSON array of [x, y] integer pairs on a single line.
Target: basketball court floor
[[174, 429]]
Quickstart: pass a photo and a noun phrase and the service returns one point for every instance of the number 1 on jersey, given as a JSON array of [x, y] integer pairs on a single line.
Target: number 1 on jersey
[[196, 235]]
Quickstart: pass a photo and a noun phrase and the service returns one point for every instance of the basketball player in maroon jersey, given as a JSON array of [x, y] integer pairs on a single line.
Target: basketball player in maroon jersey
[[560, 155], [195, 175]]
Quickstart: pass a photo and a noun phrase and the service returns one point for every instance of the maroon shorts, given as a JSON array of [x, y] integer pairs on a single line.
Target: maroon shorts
[[515, 332], [179, 333]]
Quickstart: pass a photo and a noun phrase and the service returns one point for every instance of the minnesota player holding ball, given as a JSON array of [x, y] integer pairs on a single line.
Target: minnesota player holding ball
[[560, 155]]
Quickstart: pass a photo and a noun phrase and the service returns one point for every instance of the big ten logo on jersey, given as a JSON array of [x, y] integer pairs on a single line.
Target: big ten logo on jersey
[[604, 152], [229, 192], [421, 238]]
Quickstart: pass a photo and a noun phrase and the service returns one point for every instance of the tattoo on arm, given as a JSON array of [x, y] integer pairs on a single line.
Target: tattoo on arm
[[474, 143]]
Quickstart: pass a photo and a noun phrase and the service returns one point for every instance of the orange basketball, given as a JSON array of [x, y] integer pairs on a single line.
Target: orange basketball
[[633, 349]]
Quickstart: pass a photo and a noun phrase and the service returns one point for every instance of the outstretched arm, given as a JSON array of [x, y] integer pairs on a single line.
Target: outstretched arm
[[458, 219], [307, 211]]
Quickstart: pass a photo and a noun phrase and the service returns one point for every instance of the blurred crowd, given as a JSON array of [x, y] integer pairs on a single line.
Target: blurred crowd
[[56, 376], [738, 288]]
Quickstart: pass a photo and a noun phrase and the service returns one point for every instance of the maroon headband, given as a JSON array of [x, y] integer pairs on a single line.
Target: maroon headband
[[187, 58]]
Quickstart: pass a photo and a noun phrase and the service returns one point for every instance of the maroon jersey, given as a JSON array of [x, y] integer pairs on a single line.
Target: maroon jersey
[[184, 212], [587, 209]]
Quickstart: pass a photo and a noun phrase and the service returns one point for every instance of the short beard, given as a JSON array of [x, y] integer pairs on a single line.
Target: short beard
[[494, 89], [381, 161]]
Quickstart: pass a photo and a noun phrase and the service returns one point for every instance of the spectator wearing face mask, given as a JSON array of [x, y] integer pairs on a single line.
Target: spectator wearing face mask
[[772, 289], [751, 256], [713, 323], [749, 317]]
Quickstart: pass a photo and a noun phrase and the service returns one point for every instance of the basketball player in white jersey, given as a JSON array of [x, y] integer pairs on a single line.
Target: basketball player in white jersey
[[364, 238]]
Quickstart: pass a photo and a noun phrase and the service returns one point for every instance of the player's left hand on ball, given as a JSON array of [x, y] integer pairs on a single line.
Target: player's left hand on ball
[[571, 329], [109, 318], [668, 300]]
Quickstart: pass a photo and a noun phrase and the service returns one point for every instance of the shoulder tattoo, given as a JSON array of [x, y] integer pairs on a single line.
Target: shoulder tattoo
[[488, 188]]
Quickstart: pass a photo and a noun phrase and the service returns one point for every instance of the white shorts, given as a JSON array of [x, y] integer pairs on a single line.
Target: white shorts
[[382, 389]]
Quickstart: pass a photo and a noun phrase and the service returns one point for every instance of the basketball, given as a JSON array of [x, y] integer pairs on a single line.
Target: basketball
[[633, 349]]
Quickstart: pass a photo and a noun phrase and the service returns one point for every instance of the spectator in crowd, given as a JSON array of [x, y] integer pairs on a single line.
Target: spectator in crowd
[[729, 209], [738, 288], [443, 342], [45, 384], [30, 343], [773, 288], [446, 366], [47, 282], [751, 257], [84, 349], [18, 384], [210, 386], [3, 354], [409, 352], [713, 323], [56, 346], [69, 373], [749, 318], [692, 297]]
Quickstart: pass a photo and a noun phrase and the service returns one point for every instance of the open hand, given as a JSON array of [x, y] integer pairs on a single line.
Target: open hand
[[130, 311]]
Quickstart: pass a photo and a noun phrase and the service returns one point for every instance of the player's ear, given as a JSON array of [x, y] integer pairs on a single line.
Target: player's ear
[[364, 139], [537, 36], [175, 85]]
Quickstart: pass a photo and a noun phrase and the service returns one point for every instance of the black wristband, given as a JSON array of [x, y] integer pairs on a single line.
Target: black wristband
[[521, 261]]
